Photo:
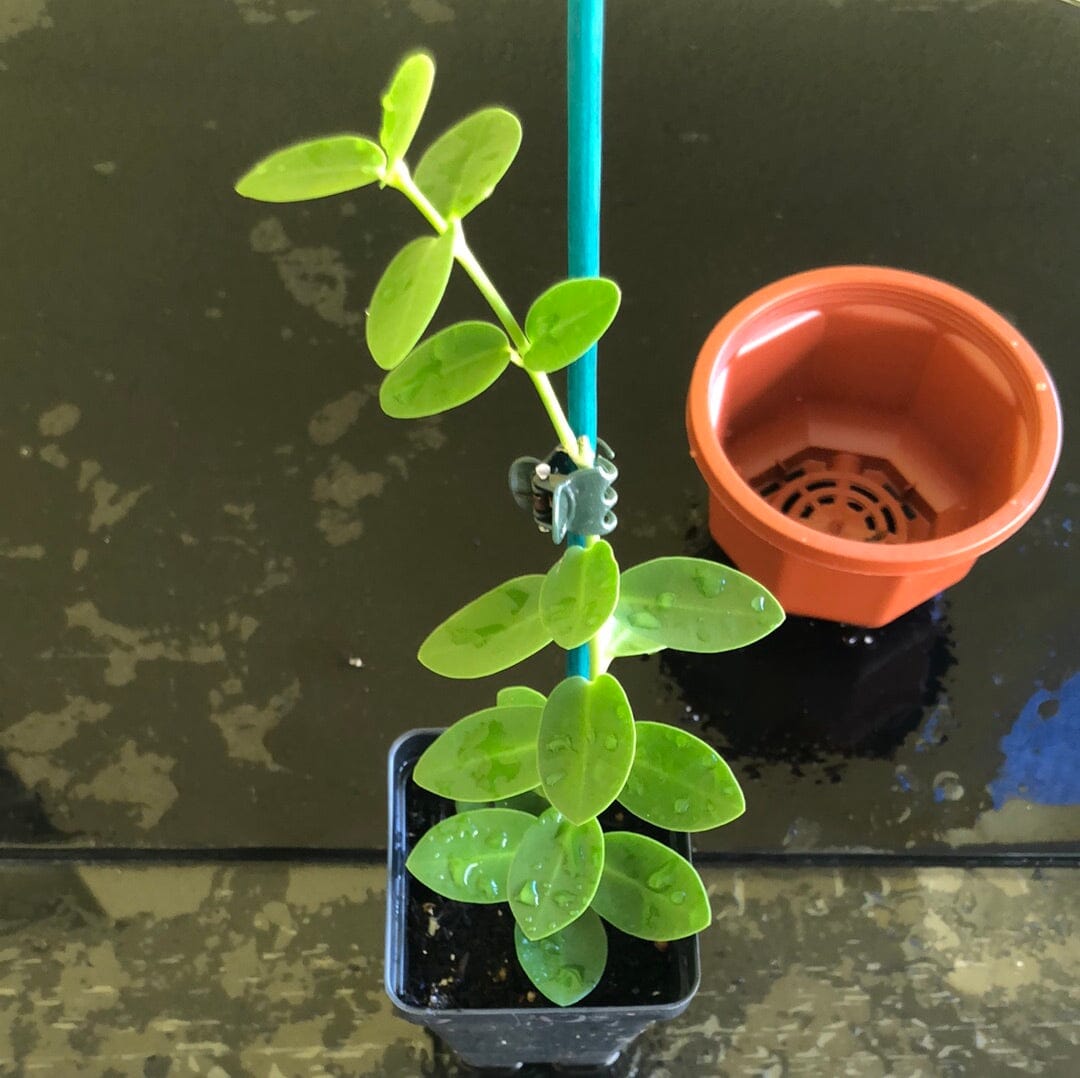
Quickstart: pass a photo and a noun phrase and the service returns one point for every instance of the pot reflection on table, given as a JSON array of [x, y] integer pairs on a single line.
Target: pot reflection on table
[[816, 691]]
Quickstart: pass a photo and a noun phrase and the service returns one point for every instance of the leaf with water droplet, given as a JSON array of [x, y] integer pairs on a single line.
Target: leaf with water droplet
[[567, 320], [560, 857], [489, 754], [590, 774], [403, 103], [447, 370], [579, 593], [679, 781], [467, 857], [648, 890], [491, 633], [690, 604], [407, 297], [464, 164], [314, 169], [567, 966]]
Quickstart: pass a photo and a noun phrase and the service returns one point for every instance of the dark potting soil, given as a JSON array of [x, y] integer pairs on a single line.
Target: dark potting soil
[[460, 955]]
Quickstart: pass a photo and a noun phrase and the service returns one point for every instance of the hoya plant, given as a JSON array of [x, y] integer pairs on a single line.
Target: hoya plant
[[531, 774]]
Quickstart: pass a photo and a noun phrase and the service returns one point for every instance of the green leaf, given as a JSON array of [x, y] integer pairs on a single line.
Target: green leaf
[[679, 782], [452, 367], [314, 169], [579, 593], [468, 856], [567, 320], [586, 745], [403, 103], [520, 695], [567, 966], [463, 165], [531, 801], [486, 755], [693, 605], [649, 891], [407, 296], [554, 874], [491, 633]]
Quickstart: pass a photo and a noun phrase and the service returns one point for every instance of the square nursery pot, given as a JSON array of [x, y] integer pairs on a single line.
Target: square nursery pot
[[451, 967], [866, 434]]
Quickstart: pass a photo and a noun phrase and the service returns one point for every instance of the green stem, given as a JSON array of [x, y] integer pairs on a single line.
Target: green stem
[[401, 180]]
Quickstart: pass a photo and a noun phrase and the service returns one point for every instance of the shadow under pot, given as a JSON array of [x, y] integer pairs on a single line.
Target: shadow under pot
[[866, 434], [451, 966]]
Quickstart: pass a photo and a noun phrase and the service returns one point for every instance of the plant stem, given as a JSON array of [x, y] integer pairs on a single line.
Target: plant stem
[[401, 180]]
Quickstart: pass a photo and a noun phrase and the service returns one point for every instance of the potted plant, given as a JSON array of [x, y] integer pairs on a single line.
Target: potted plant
[[866, 433], [553, 826]]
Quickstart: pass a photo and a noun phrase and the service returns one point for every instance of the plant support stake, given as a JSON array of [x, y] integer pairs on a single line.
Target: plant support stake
[[584, 95]]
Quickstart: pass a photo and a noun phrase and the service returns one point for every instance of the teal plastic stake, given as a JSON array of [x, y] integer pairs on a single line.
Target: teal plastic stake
[[584, 98]]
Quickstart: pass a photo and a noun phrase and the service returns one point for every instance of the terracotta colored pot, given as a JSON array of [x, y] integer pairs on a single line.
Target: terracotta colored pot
[[866, 434]]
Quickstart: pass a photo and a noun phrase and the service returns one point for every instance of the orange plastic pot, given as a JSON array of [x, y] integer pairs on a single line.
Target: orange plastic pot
[[866, 434]]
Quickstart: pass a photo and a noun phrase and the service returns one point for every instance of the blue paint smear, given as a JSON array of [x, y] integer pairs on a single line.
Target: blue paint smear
[[1042, 753]]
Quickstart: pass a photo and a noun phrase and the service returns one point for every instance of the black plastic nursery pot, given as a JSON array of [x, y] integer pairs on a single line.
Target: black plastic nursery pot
[[451, 966]]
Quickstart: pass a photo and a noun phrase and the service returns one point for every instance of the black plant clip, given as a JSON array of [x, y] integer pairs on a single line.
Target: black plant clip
[[565, 498]]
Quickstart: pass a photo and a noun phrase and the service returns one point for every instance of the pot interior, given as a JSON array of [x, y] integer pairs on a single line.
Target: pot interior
[[876, 417]]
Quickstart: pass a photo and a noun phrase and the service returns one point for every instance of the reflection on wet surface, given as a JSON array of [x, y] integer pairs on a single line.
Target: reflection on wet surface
[[217, 558], [270, 970]]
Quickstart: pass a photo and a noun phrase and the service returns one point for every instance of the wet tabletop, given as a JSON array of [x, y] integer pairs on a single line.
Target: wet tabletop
[[217, 557], [274, 971]]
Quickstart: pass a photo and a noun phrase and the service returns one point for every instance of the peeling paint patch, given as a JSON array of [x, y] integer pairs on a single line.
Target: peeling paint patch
[[125, 892], [316, 277], [110, 506], [43, 731], [59, 420], [341, 488], [18, 16], [26, 552], [54, 455], [1015, 822], [432, 11], [245, 726], [139, 780], [332, 420], [311, 891], [129, 647]]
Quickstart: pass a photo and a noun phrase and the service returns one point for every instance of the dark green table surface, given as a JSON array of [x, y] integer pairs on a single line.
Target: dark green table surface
[[206, 517]]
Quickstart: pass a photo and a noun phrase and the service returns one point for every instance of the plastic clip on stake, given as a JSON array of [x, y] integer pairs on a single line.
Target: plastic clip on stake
[[566, 499]]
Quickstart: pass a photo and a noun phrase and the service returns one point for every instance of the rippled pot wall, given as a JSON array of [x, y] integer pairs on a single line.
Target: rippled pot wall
[[866, 434], [505, 1037]]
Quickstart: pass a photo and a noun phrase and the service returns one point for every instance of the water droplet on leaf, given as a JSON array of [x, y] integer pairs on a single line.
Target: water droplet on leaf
[[529, 895]]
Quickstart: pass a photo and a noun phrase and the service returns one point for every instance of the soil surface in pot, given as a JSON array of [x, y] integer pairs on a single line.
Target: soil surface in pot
[[460, 955]]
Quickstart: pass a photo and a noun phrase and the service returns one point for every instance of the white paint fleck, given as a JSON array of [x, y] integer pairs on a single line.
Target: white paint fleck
[[105, 168]]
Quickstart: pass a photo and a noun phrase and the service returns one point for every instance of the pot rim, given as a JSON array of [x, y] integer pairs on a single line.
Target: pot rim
[[910, 291], [395, 938]]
